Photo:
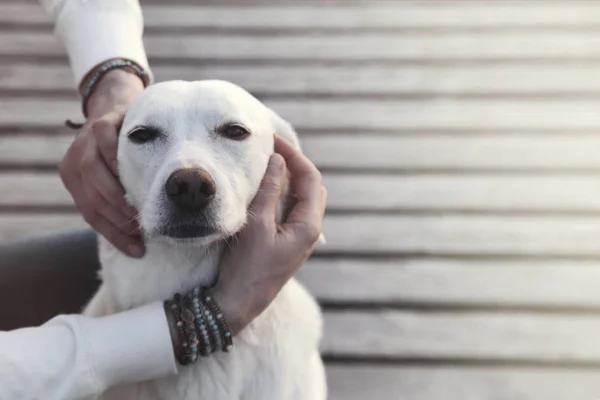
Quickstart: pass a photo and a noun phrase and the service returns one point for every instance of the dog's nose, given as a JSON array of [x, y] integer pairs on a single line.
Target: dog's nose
[[190, 188]]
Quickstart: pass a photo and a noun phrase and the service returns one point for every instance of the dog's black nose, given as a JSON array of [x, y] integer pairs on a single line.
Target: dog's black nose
[[191, 188]]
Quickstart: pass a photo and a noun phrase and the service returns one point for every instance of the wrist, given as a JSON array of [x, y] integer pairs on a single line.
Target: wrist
[[115, 90], [237, 313]]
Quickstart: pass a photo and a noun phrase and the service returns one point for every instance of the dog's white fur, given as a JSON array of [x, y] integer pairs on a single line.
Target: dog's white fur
[[276, 357]]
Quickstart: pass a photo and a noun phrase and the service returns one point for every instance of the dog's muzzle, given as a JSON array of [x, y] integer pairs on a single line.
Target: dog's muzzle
[[190, 192]]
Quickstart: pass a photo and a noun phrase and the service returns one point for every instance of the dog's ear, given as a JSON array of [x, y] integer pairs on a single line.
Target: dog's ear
[[286, 131]]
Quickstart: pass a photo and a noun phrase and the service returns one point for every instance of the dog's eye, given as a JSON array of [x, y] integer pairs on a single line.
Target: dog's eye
[[234, 132], [143, 134]]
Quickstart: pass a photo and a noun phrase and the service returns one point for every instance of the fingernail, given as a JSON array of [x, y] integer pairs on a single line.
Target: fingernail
[[135, 250]]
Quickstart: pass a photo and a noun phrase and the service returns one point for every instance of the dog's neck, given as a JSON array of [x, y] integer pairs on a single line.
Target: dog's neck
[[165, 269]]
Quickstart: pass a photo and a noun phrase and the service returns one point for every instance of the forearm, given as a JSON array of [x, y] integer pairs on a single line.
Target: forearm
[[77, 357], [46, 276], [94, 31]]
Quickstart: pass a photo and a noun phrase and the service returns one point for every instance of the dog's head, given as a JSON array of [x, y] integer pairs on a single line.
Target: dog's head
[[191, 157]]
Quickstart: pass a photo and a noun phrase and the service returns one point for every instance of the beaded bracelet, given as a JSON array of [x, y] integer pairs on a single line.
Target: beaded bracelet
[[227, 341], [200, 322], [200, 325], [191, 346], [90, 81], [175, 307]]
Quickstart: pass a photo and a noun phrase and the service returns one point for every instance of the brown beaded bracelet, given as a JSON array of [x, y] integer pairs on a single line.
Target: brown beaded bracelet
[[87, 85], [184, 320]]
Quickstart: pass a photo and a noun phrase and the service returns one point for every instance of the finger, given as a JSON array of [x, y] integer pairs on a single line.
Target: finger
[[297, 163], [105, 130], [131, 245], [95, 173], [267, 198], [98, 204], [68, 168], [126, 243], [306, 184], [324, 196], [306, 179]]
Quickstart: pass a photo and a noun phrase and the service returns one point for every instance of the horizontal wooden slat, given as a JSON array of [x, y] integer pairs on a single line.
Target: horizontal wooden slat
[[511, 152], [360, 382], [383, 14], [463, 235], [349, 47], [424, 234], [465, 193], [455, 282], [566, 193], [476, 336], [19, 226], [35, 148], [346, 80], [370, 114]]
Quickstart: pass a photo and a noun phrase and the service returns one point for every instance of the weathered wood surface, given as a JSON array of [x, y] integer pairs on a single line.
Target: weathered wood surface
[[380, 46], [342, 15], [367, 115], [372, 192], [431, 235], [375, 79], [418, 382], [510, 151], [466, 336], [484, 283], [459, 142]]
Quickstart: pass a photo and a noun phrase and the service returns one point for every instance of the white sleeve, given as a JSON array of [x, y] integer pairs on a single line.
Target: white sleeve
[[77, 357], [94, 31]]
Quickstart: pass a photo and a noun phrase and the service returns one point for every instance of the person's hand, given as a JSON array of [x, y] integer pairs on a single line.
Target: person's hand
[[89, 168], [265, 255]]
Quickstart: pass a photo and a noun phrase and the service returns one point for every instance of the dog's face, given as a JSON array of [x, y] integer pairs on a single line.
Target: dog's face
[[191, 157]]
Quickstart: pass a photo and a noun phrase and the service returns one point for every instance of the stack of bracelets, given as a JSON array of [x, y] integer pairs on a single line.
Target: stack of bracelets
[[201, 326]]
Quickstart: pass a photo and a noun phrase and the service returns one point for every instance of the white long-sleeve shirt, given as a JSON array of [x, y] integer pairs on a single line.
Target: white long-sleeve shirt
[[77, 357], [94, 31], [72, 356]]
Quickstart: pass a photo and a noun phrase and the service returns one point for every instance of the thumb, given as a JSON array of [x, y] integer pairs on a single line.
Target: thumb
[[266, 200]]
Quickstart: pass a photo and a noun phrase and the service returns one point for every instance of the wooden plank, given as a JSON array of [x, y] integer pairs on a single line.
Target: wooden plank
[[511, 151], [18, 226], [555, 193], [473, 336], [346, 47], [34, 148], [444, 234], [369, 115], [490, 152], [361, 382], [464, 193], [374, 80], [547, 284], [378, 15], [511, 235]]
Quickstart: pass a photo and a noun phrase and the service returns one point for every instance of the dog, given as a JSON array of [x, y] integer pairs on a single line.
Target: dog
[[224, 136]]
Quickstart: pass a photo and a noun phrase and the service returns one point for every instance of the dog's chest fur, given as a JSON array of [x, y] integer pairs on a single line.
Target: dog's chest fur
[[275, 357]]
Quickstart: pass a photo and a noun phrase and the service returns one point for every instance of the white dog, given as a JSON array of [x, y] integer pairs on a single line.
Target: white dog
[[216, 138]]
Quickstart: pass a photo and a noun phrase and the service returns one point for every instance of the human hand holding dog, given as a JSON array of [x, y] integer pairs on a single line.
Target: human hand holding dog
[[89, 168], [265, 255]]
